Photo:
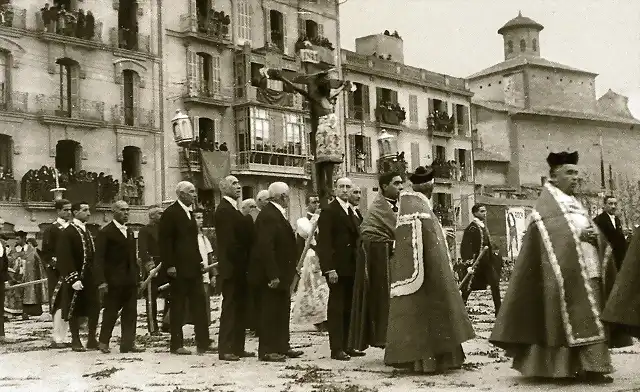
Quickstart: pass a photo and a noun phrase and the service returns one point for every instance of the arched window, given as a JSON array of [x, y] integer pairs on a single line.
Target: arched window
[[130, 96], [207, 134], [131, 162], [523, 45], [509, 46], [68, 85], [68, 156], [534, 45], [128, 24]]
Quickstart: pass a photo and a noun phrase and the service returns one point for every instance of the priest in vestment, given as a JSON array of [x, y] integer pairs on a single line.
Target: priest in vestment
[[428, 321], [370, 309], [550, 319]]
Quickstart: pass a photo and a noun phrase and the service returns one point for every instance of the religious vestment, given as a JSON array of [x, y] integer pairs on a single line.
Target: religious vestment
[[428, 321], [27, 267], [312, 294], [370, 310], [550, 319]]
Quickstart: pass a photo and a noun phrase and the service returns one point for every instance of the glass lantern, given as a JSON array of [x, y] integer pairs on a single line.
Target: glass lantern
[[182, 129], [387, 144]]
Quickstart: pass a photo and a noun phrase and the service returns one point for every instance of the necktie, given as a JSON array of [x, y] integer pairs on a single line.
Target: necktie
[[394, 206]]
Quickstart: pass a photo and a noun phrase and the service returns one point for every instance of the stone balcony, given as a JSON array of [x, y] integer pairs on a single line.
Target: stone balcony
[[215, 33], [71, 35], [196, 93], [268, 97], [133, 117], [122, 39], [13, 17], [80, 112]]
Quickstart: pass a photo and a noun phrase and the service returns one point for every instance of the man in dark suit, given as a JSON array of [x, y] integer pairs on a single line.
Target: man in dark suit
[[611, 226], [4, 277], [233, 238], [117, 272], [273, 264], [354, 199], [49, 244], [75, 254], [338, 234], [475, 238], [180, 257], [150, 258]]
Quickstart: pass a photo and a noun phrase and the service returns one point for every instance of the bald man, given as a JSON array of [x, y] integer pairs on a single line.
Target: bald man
[[117, 273], [262, 199], [273, 265], [180, 257], [338, 235], [234, 245]]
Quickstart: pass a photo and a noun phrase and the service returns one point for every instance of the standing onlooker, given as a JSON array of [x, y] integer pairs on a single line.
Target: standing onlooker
[[338, 236], [54, 282], [206, 252], [611, 226], [234, 247], [118, 270], [80, 24], [4, 277], [180, 256], [273, 264], [90, 26], [148, 252]]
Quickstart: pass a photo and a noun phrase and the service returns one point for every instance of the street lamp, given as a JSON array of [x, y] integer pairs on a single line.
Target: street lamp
[[183, 136]]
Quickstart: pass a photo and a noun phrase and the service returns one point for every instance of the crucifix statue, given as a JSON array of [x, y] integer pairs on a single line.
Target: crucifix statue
[[325, 141]]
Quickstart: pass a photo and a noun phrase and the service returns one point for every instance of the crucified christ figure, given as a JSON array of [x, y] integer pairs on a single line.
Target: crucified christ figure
[[325, 140]]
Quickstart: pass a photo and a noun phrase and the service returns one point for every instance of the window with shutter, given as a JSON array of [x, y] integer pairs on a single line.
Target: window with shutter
[[285, 35], [366, 106], [195, 125], [415, 155], [216, 74], [6, 153], [320, 30], [244, 20], [413, 108], [393, 96], [74, 89], [351, 108], [367, 150], [431, 106], [192, 73], [217, 131], [352, 152]]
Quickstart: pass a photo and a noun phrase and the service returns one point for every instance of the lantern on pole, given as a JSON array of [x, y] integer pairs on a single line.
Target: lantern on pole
[[183, 136]]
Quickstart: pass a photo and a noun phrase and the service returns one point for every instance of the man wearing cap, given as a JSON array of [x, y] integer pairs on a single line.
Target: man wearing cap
[[370, 312], [428, 321], [550, 319]]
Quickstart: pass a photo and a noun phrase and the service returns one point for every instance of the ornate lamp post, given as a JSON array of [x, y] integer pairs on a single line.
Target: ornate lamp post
[[390, 160], [183, 136]]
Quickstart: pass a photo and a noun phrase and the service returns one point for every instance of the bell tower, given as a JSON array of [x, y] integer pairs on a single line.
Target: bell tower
[[521, 37]]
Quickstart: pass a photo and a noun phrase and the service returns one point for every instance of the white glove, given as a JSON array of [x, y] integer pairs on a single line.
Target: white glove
[[77, 285], [470, 269]]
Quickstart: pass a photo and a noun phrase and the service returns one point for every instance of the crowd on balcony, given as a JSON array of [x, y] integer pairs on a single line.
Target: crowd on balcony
[[304, 41], [214, 23], [448, 169], [59, 20], [440, 121], [6, 14], [7, 184], [395, 34], [390, 113], [91, 186], [132, 190]]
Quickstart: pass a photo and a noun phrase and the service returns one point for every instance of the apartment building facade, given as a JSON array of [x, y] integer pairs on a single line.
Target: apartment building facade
[[214, 77], [79, 107], [402, 113]]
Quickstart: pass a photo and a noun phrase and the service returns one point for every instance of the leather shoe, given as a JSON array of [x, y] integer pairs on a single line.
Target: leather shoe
[[104, 348], [293, 353], [246, 354], [273, 357], [55, 345], [340, 356], [78, 347], [209, 350], [134, 349], [181, 351], [356, 353], [229, 357], [93, 345]]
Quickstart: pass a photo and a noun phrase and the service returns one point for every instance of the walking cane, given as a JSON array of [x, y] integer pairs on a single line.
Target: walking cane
[[466, 282], [307, 245]]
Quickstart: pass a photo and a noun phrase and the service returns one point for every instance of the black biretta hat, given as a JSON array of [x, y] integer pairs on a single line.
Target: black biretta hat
[[562, 158], [421, 175]]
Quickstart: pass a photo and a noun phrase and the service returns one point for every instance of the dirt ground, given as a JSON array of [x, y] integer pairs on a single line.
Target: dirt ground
[[28, 365]]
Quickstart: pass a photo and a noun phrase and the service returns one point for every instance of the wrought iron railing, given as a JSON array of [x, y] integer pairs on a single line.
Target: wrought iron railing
[[70, 28], [133, 116], [273, 158], [129, 40], [74, 108], [215, 29]]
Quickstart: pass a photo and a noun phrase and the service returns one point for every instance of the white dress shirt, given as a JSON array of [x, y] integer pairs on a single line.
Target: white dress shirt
[[613, 220], [186, 209], [63, 223], [205, 248], [234, 203], [122, 228], [345, 205]]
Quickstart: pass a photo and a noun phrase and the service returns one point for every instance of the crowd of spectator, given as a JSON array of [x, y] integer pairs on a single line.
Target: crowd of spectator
[[57, 19]]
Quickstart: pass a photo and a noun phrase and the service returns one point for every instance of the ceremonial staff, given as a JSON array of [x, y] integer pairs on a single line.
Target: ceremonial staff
[[466, 282]]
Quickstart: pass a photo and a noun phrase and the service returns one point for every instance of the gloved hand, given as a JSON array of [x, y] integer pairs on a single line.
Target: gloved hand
[[102, 291], [77, 285]]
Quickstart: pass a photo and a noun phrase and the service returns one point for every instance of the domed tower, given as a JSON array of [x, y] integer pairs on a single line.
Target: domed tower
[[521, 37]]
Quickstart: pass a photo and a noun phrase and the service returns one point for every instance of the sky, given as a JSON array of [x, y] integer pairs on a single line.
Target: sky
[[459, 37]]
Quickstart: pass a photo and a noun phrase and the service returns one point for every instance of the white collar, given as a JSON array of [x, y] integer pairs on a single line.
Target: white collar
[[121, 227], [344, 204], [79, 224], [478, 222], [185, 208], [62, 223], [234, 203], [279, 207]]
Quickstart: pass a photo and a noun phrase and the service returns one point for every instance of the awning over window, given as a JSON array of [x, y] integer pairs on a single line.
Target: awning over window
[[215, 166]]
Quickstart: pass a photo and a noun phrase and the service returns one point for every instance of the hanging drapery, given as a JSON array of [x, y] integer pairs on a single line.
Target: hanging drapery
[[215, 166]]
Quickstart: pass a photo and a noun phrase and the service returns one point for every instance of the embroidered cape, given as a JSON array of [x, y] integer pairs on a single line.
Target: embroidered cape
[[380, 223], [549, 301]]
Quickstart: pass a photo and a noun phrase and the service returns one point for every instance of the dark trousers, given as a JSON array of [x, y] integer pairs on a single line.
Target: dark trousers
[[252, 310], [152, 306], [120, 298], [2, 313], [191, 290], [232, 317], [495, 295], [339, 313], [275, 309], [92, 326], [87, 305]]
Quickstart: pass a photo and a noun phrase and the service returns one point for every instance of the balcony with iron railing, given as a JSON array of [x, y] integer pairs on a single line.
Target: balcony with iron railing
[[126, 39], [390, 113], [395, 164], [133, 116], [253, 94], [214, 28], [286, 160], [201, 92], [440, 124], [12, 17], [14, 101], [76, 108], [86, 34], [36, 186]]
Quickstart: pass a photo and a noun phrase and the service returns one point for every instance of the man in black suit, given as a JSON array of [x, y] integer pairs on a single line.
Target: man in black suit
[[80, 294], [49, 244], [4, 277], [611, 227], [117, 272], [338, 234], [233, 238], [273, 264], [150, 258], [180, 257], [354, 200]]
